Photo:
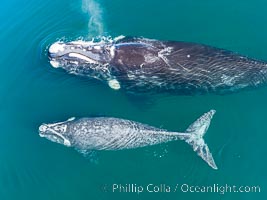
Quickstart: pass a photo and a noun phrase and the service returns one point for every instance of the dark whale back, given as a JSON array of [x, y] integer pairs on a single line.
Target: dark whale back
[[186, 68]]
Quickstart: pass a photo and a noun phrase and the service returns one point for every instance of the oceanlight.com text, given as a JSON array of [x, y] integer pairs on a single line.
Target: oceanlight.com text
[[182, 188]]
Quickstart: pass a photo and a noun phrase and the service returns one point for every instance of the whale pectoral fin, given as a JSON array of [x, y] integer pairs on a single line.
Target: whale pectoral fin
[[90, 155], [114, 84], [194, 137]]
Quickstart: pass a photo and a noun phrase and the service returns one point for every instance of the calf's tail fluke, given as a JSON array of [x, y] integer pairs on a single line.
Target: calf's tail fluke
[[194, 137]]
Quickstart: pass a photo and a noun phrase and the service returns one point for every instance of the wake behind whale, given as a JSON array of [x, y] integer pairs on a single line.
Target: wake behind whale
[[140, 65], [106, 133]]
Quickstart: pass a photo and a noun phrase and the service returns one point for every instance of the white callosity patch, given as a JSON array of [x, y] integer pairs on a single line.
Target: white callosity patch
[[67, 143], [81, 42], [74, 62], [97, 47], [54, 63], [56, 47], [95, 42], [114, 84], [76, 55], [112, 51], [42, 128], [54, 132]]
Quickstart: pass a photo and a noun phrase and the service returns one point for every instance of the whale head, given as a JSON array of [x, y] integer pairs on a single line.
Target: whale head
[[81, 58], [56, 132]]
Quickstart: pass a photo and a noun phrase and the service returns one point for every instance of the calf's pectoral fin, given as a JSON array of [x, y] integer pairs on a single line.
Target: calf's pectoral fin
[[89, 154]]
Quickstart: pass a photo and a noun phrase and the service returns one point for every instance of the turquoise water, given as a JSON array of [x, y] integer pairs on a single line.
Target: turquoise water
[[32, 92]]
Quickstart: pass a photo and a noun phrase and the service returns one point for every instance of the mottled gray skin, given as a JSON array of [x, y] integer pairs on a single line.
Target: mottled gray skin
[[145, 65], [115, 134], [104, 133]]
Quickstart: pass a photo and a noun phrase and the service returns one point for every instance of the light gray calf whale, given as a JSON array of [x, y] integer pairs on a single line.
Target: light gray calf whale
[[103, 133], [140, 65]]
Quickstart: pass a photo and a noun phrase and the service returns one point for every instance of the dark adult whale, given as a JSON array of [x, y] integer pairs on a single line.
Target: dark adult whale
[[146, 65], [102, 133]]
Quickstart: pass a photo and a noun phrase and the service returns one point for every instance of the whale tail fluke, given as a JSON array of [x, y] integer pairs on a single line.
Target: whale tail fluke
[[194, 137]]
